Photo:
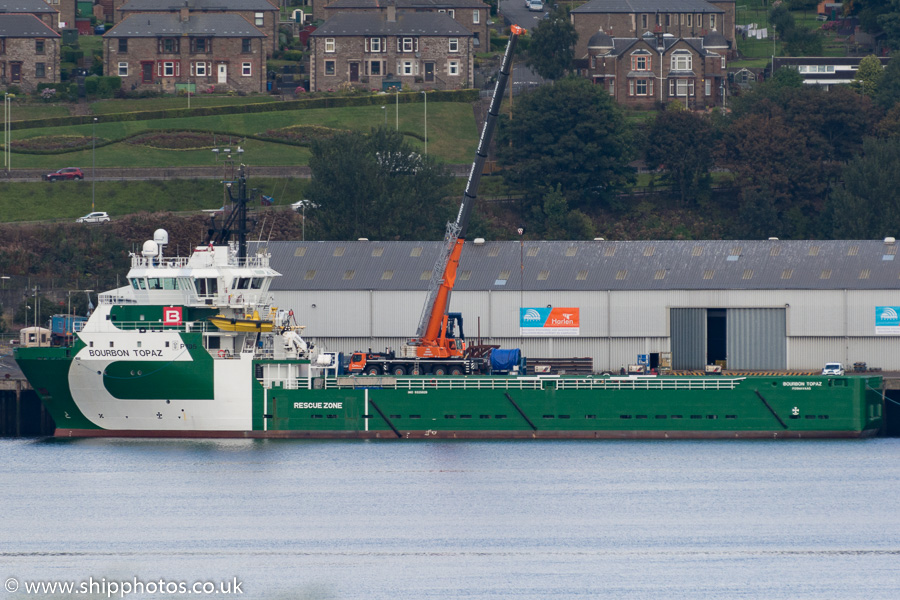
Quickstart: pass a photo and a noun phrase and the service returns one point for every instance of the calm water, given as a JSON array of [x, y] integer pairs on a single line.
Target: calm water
[[379, 520]]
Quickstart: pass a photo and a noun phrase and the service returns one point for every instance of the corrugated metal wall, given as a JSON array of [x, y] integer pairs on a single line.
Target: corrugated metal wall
[[688, 338], [756, 339]]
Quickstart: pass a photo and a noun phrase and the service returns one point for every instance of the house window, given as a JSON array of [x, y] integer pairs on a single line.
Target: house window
[[681, 61], [374, 67], [452, 13], [708, 87], [168, 68], [199, 45], [453, 67], [329, 67], [476, 16], [123, 69], [38, 46], [712, 22], [612, 87], [690, 20], [723, 63], [40, 70], [454, 44], [644, 22], [374, 44], [640, 61], [640, 87], [329, 44], [123, 44], [168, 46], [200, 69], [668, 20], [246, 46], [682, 88], [258, 19], [658, 19], [407, 44], [407, 67], [246, 69]]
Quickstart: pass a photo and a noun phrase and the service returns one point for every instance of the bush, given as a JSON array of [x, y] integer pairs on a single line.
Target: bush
[[296, 55], [102, 87], [71, 55]]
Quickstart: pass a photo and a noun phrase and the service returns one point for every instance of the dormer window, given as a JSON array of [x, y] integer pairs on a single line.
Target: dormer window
[[167, 46]]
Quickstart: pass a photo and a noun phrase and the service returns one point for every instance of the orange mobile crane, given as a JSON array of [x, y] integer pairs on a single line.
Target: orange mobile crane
[[436, 349]]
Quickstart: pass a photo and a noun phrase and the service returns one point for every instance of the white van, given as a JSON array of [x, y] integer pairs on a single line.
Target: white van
[[535, 5], [833, 368]]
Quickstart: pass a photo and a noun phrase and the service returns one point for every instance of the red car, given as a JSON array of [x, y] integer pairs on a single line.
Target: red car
[[66, 173]]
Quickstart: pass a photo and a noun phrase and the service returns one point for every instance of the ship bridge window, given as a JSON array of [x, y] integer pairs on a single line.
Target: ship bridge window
[[241, 283], [134, 283], [256, 283], [207, 286], [141, 283]]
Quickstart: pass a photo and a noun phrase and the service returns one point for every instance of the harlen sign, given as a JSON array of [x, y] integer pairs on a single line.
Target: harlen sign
[[549, 321], [171, 315]]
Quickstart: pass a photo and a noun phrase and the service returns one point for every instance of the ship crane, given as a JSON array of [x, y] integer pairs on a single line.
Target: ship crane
[[434, 337]]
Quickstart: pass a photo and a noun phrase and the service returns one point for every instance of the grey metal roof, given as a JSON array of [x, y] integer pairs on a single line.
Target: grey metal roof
[[424, 24], [24, 26], [196, 5], [208, 25], [592, 265], [25, 6], [405, 4], [647, 6]]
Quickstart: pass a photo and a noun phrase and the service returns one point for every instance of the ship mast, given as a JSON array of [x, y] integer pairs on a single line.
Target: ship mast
[[236, 222]]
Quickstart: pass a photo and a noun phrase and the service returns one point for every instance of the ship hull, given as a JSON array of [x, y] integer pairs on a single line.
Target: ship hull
[[195, 395]]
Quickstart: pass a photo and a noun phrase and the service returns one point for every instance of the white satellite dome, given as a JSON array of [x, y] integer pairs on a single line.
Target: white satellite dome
[[161, 236], [151, 248]]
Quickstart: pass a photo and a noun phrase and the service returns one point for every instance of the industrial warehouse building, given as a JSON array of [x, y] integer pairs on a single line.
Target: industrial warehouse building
[[757, 305]]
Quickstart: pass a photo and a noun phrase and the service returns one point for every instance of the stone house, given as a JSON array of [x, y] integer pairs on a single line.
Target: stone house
[[634, 18], [471, 14], [29, 52], [641, 72], [261, 13], [415, 50], [168, 52]]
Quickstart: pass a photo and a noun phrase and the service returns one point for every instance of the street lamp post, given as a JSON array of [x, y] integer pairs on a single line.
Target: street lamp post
[[521, 231], [7, 139], [426, 122], [384, 112], [93, 163], [397, 107]]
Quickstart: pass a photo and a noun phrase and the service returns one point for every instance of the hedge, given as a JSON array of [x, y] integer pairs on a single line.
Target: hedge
[[465, 96]]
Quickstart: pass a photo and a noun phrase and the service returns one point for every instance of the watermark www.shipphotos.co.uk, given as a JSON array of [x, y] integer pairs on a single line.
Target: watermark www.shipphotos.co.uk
[[119, 588]]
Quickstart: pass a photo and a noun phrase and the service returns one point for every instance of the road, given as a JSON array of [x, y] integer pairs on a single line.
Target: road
[[514, 12]]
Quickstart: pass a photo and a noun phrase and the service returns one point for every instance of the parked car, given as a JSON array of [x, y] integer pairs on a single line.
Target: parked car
[[94, 217], [66, 173], [833, 369], [535, 5]]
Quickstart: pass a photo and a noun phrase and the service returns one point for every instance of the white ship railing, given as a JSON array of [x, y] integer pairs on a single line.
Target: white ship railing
[[179, 262], [532, 383], [649, 383]]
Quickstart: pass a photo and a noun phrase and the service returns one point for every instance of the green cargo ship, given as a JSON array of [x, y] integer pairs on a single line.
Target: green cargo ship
[[149, 362]]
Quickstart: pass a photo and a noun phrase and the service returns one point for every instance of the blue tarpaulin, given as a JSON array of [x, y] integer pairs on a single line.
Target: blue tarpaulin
[[505, 360]]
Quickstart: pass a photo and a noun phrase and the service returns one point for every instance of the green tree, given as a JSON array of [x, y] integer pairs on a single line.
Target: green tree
[[375, 186], [556, 221], [865, 206], [569, 134], [681, 143], [552, 45], [869, 75], [889, 87]]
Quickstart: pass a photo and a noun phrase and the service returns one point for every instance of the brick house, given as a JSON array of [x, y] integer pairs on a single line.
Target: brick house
[[29, 52], [261, 13], [48, 15], [634, 18], [471, 14], [168, 51], [641, 72], [418, 50]]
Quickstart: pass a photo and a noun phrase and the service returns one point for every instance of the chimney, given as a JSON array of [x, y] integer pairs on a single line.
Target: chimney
[[391, 13], [184, 12]]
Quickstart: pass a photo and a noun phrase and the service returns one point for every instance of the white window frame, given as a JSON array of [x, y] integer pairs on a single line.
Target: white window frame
[[708, 87], [712, 22], [690, 20], [374, 44], [476, 16], [407, 67], [453, 68], [246, 69], [452, 13], [259, 19], [408, 44], [329, 45], [200, 69], [168, 68], [333, 68], [682, 61], [453, 45], [123, 69]]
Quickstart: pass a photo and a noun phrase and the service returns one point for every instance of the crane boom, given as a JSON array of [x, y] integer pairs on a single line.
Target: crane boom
[[433, 319]]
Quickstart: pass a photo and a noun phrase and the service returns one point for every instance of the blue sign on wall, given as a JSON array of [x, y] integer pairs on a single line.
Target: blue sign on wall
[[887, 320]]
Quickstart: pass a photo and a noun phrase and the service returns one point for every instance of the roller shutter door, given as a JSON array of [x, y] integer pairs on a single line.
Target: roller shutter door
[[687, 333], [757, 339]]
